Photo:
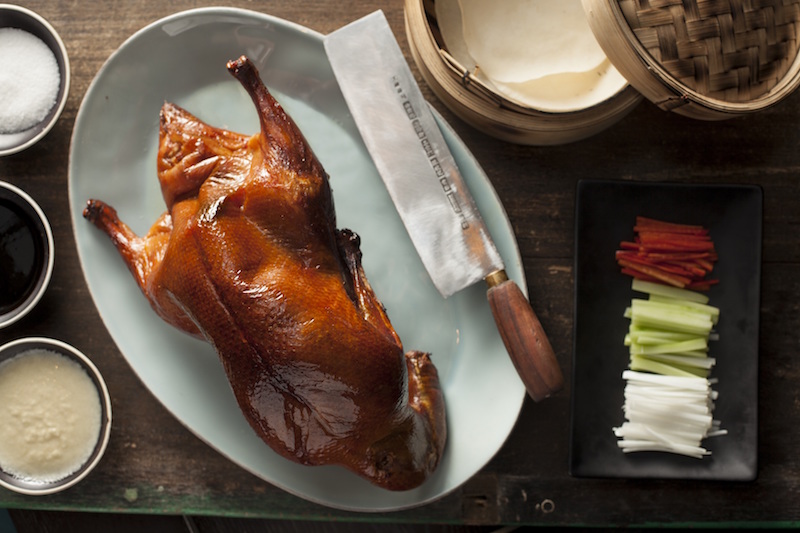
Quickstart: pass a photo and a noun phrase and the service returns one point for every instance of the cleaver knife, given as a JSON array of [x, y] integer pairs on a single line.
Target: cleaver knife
[[423, 180]]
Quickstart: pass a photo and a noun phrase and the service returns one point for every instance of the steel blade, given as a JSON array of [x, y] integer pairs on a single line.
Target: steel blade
[[411, 154]]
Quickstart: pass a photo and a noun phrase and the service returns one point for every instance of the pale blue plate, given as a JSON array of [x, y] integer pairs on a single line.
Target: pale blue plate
[[113, 158]]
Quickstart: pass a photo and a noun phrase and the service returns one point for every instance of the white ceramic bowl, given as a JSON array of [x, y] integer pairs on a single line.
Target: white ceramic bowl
[[33, 487], [15, 199], [12, 16]]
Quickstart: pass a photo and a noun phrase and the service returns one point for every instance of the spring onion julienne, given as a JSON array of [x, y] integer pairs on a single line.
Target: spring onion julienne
[[668, 398]]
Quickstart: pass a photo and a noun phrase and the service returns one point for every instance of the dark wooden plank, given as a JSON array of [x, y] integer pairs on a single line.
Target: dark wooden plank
[[78, 522], [81, 522]]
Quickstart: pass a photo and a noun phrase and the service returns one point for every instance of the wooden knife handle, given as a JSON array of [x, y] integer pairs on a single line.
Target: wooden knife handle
[[524, 337]]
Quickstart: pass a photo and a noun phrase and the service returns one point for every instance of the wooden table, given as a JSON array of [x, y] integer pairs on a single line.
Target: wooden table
[[157, 470]]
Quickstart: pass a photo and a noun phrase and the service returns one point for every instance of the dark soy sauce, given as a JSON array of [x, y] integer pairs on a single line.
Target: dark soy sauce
[[21, 255]]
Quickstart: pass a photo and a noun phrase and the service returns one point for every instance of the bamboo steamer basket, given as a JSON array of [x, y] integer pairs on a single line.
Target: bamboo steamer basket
[[704, 59]]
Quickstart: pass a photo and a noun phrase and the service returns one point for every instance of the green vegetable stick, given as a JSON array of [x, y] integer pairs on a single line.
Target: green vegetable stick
[[665, 290]]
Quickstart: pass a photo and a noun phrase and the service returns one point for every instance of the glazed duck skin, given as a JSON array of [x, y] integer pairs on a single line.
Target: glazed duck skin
[[248, 257]]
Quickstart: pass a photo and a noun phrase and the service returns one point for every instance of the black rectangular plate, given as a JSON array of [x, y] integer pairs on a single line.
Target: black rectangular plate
[[605, 214]]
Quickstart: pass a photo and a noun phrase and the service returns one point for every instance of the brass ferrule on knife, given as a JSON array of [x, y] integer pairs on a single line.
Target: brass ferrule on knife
[[496, 278]]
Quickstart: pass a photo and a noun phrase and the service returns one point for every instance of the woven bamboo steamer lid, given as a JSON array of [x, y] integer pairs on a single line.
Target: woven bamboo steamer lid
[[705, 59], [468, 97]]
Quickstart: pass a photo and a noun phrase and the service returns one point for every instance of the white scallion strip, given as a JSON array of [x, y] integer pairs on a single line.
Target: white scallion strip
[[666, 382], [669, 400]]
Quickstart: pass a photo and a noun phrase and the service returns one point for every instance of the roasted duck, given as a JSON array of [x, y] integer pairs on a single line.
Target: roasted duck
[[248, 257]]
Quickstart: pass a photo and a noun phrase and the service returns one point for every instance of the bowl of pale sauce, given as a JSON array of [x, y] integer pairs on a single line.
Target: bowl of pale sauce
[[55, 416], [26, 253]]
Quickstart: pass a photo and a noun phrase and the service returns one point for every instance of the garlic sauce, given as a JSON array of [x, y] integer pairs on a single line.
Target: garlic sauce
[[50, 416]]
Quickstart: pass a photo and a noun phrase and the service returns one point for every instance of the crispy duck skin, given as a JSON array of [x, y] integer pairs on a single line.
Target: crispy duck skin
[[248, 257]]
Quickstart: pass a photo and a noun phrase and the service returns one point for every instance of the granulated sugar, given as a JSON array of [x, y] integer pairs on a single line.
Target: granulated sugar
[[29, 80]]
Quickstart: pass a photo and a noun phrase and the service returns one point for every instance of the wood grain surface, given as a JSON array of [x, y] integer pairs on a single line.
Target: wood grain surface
[[155, 472]]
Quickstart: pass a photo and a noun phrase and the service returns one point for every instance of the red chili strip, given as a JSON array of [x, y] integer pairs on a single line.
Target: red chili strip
[[637, 274], [707, 264], [679, 256], [702, 285], [672, 279], [651, 223], [649, 236], [677, 246], [665, 266], [691, 268]]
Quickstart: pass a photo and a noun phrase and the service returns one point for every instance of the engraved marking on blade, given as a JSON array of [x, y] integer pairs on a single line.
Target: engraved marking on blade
[[427, 147]]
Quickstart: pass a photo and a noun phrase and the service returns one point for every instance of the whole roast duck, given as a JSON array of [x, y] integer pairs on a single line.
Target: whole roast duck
[[248, 257]]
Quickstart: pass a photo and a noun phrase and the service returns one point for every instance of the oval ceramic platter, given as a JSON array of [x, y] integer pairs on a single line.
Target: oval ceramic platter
[[182, 59]]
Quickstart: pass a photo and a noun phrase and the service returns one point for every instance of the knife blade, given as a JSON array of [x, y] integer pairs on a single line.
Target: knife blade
[[432, 198]]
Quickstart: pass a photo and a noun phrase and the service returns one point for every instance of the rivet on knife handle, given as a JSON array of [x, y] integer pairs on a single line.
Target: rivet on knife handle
[[524, 337]]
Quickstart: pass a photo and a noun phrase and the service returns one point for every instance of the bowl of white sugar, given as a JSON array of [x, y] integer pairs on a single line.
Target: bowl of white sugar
[[55, 416], [34, 78]]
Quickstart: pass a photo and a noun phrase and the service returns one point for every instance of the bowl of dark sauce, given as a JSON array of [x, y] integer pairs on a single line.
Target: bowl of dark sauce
[[26, 253]]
